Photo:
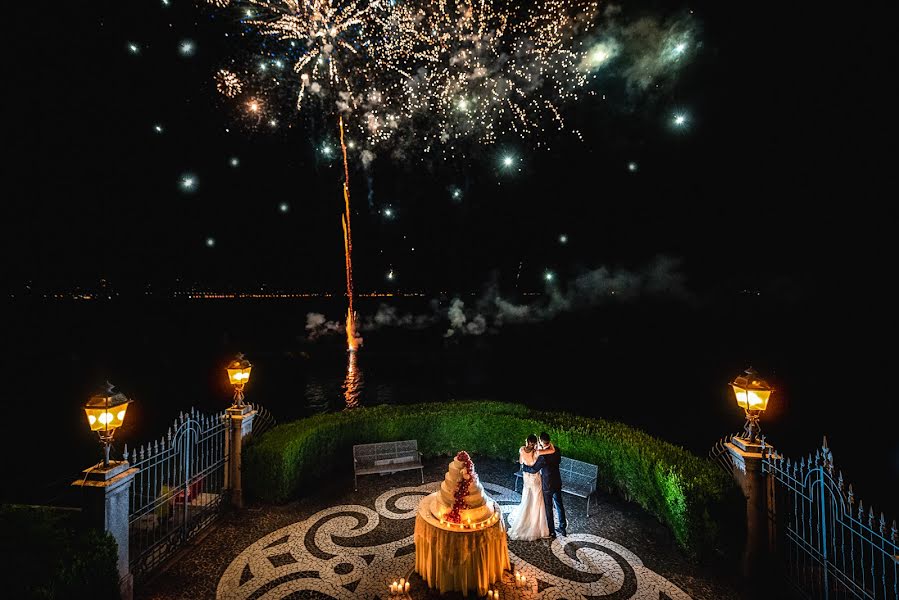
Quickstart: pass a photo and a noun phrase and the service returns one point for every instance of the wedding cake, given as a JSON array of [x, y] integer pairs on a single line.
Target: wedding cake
[[461, 498]]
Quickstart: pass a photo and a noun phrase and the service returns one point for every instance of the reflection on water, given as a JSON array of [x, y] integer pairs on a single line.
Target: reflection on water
[[355, 380]]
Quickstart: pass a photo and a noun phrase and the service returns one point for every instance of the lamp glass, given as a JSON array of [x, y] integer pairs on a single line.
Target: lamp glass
[[106, 413], [751, 399], [239, 376]]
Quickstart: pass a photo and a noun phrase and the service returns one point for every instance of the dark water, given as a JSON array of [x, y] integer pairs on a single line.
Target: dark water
[[659, 367]]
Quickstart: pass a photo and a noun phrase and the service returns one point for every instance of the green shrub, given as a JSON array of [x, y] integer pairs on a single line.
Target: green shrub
[[683, 491], [49, 556]]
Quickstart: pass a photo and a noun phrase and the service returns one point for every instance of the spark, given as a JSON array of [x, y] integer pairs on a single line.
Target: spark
[[254, 106], [563, 239], [508, 161], [549, 276], [210, 242], [327, 150], [284, 207], [632, 167], [157, 128], [390, 275], [133, 48], [187, 48], [680, 120], [188, 182], [457, 193], [234, 162], [388, 212]]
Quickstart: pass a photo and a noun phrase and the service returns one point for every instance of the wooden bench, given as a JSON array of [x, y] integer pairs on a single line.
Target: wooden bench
[[386, 457], [578, 478]]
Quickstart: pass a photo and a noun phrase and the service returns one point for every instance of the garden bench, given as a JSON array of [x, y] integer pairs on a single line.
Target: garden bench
[[386, 458], [578, 478]]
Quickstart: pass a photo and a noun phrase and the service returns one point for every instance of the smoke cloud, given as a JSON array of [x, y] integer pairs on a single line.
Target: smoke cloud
[[660, 278]]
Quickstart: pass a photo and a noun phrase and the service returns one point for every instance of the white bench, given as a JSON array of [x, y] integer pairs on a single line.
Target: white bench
[[386, 457], [578, 478]]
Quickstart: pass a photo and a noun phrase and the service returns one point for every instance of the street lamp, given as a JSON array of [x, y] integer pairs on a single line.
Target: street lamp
[[105, 413], [752, 393], [239, 374]]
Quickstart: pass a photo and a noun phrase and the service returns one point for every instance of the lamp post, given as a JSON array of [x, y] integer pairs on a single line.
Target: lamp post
[[239, 374], [105, 413], [752, 393], [241, 419]]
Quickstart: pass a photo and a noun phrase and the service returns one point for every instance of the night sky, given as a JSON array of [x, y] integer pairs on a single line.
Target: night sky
[[773, 183]]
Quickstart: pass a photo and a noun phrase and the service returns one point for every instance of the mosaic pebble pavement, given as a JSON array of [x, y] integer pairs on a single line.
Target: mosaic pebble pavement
[[355, 548]]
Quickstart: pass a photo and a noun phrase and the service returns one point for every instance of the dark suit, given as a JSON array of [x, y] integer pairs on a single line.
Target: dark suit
[[548, 467]]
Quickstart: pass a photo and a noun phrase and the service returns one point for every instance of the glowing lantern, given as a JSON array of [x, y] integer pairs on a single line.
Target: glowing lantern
[[105, 413], [239, 374], [752, 393]]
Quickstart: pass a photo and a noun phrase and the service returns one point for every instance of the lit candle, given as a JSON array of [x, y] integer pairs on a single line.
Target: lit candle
[[523, 580], [490, 593], [406, 588], [393, 587], [496, 595], [402, 582]]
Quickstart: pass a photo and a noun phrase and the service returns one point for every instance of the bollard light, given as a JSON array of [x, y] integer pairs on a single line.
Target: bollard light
[[239, 374], [105, 412], [752, 394]]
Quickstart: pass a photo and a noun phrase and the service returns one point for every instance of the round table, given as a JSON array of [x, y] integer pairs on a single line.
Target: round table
[[459, 560]]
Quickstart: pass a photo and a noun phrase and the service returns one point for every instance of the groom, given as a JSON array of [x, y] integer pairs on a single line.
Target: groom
[[548, 467]]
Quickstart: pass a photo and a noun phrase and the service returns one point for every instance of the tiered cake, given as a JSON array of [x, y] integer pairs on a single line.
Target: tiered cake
[[461, 500]]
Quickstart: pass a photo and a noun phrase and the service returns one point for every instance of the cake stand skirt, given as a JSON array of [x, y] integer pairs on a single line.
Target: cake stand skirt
[[460, 561]]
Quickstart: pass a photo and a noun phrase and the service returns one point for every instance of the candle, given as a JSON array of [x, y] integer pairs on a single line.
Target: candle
[[406, 588], [402, 582], [490, 593], [496, 595]]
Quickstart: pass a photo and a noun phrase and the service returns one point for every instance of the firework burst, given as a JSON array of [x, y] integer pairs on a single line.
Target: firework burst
[[228, 84], [434, 74]]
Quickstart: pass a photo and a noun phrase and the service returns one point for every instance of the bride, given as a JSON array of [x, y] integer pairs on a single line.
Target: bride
[[527, 521]]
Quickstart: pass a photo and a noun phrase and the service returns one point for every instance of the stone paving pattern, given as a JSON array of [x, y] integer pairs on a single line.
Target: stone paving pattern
[[337, 543]]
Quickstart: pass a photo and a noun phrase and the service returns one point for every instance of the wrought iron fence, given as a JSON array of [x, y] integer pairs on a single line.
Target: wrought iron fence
[[262, 422], [720, 455], [178, 489], [829, 544]]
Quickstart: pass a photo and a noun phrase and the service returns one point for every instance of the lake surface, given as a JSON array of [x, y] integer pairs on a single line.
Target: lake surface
[[662, 367]]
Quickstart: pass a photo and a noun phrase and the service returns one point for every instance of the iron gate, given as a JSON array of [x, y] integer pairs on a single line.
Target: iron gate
[[178, 489], [828, 544]]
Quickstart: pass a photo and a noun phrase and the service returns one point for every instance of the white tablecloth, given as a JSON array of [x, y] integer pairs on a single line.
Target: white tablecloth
[[459, 560]]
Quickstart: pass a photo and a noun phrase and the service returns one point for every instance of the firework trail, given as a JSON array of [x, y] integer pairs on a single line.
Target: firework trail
[[352, 337]]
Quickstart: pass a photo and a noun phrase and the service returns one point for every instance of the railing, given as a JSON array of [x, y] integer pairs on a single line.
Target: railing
[[828, 543], [178, 489], [263, 421], [720, 455]]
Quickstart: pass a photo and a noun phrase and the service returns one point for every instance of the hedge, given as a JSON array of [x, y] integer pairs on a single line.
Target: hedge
[[49, 555], [688, 494]]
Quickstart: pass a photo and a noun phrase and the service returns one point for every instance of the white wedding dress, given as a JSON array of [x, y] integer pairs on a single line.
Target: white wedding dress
[[527, 521]]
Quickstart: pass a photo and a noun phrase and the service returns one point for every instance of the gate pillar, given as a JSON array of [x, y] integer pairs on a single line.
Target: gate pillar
[[746, 458], [241, 419], [105, 499]]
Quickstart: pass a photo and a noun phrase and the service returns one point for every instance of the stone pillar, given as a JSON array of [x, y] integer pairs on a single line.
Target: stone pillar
[[746, 457], [241, 425], [105, 505]]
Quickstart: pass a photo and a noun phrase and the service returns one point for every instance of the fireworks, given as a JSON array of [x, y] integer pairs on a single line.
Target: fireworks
[[228, 84], [428, 72], [433, 76]]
